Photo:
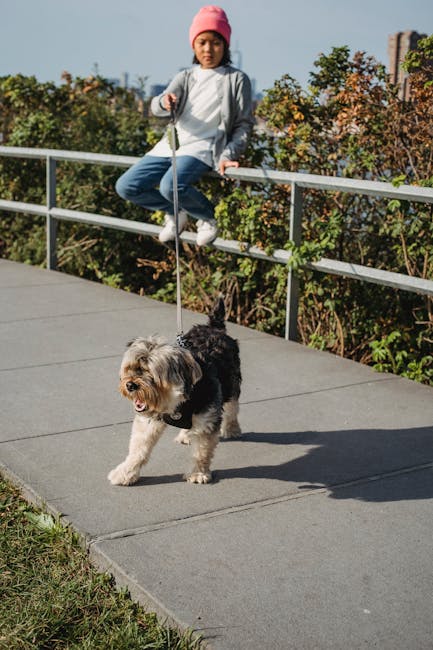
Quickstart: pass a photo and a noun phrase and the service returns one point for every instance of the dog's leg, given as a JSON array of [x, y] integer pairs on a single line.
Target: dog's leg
[[183, 437], [203, 447], [145, 434], [230, 427]]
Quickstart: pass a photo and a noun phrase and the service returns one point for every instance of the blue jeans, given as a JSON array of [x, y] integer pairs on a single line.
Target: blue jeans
[[139, 184]]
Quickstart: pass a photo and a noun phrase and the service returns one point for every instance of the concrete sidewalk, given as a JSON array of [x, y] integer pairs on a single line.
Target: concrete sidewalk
[[317, 532]]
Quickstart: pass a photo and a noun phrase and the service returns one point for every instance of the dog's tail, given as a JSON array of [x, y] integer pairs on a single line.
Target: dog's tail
[[218, 314]]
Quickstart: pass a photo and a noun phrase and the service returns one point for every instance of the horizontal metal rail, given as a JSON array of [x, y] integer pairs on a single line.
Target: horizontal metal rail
[[308, 181], [297, 182]]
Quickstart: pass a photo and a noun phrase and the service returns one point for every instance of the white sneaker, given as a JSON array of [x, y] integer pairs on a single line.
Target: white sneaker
[[168, 233], [207, 231]]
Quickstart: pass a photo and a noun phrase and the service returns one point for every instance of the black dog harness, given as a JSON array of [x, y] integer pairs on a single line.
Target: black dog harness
[[181, 418], [202, 393]]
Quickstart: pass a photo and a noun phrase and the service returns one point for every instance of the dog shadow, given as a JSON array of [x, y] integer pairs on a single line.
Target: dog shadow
[[158, 480], [348, 463]]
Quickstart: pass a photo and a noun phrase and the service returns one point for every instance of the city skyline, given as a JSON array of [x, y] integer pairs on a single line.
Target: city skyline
[[150, 40]]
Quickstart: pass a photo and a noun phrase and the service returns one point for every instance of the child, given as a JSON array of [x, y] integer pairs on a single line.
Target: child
[[213, 122]]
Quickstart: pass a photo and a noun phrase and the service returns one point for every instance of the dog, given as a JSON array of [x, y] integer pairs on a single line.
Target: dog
[[193, 384]]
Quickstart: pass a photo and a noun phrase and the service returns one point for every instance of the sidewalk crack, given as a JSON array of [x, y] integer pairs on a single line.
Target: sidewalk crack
[[263, 503]]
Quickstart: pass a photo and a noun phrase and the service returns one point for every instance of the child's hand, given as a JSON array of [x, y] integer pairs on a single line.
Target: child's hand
[[226, 163], [168, 100]]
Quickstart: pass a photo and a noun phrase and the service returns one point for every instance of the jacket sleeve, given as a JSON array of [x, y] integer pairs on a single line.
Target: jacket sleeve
[[176, 86], [243, 120]]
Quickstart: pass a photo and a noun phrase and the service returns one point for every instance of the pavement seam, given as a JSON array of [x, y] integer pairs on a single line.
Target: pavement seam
[[39, 284], [59, 363], [318, 390], [74, 313], [61, 433], [132, 532]]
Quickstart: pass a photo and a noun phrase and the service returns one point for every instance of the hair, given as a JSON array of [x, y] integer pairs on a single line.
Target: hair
[[227, 57]]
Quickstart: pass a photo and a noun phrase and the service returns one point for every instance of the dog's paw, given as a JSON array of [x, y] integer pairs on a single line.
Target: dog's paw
[[199, 477], [183, 438], [231, 431], [122, 475]]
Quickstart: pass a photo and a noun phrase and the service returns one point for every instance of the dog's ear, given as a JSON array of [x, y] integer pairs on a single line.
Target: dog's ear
[[148, 343], [138, 340], [191, 373], [194, 368]]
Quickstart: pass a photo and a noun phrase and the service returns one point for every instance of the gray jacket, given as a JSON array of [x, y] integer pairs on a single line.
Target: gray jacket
[[236, 110]]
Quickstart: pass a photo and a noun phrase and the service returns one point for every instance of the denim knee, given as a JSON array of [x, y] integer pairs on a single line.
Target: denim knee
[[166, 188], [123, 188]]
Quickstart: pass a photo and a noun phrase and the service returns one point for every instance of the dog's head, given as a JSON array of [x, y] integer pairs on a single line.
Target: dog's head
[[157, 376]]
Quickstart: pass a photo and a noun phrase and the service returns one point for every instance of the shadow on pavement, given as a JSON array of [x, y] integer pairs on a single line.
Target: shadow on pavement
[[333, 458]]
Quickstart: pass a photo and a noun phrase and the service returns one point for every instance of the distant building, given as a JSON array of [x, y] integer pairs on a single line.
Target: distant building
[[399, 45], [256, 95], [157, 89], [237, 57], [122, 82]]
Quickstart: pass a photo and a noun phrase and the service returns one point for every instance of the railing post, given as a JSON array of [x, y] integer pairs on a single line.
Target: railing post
[[292, 278], [51, 221]]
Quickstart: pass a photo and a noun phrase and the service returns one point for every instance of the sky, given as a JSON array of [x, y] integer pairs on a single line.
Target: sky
[[149, 38]]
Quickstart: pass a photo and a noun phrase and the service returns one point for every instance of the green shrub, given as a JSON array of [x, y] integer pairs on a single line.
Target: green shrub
[[349, 122]]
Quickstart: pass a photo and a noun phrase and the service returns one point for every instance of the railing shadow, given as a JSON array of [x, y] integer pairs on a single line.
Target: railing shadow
[[364, 464]]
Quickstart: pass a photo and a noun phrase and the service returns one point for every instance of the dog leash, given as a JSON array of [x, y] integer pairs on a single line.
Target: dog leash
[[179, 336]]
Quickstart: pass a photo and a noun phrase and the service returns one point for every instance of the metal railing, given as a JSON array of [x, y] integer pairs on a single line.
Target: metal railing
[[297, 181]]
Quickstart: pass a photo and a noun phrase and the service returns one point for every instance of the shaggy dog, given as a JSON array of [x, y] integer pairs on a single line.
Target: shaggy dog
[[194, 385]]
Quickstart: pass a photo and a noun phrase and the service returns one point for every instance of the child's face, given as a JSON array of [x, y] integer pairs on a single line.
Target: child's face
[[209, 49]]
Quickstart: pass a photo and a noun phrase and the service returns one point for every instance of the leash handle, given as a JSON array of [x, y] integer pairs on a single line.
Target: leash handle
[[172, 109], [176, 217]]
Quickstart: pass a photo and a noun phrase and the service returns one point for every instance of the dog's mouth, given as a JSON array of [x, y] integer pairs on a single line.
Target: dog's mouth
[[140, 406]]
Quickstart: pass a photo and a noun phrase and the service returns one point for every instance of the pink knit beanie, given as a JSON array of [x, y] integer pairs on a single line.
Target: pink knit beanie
[[210, 19]]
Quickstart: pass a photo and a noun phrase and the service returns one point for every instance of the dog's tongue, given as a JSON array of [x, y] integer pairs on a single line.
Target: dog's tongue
[[139, 406]]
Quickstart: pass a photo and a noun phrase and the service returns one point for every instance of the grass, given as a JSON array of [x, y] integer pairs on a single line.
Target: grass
[[51, 597]]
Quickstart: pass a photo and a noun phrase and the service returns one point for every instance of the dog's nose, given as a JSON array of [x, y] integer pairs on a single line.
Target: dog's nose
[[131, 386]]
